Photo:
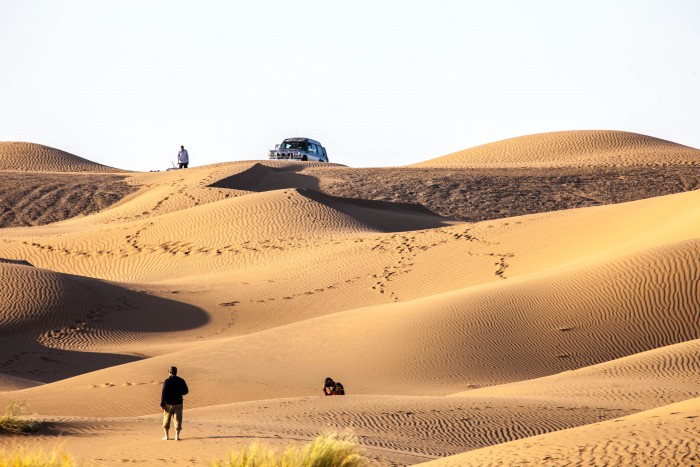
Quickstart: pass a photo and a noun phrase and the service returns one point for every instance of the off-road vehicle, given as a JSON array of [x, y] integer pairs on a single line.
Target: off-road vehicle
[[301, 149]]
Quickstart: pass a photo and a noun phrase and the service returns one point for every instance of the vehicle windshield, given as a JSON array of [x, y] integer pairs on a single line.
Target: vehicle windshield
[[293, 145]]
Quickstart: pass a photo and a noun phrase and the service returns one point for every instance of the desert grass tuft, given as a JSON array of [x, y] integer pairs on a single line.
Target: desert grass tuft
[[22, 458], [12, 420], [329, 450]]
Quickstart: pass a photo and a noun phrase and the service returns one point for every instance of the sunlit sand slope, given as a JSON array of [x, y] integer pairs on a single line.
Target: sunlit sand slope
[[668, 435], [402, 429], [215, 239], [40, 158], [394, 430], [176, 190], [571, 149], [560, 239], [495, 333], [210, 237], [638, 382]]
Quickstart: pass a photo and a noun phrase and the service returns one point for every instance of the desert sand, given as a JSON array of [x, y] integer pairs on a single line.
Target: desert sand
[[544, 333]]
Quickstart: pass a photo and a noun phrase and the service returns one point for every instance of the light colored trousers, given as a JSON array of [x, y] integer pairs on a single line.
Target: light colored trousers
[[171, 410]]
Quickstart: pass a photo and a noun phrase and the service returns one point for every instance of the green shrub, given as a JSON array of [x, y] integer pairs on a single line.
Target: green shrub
[[13, 422], [330, 450]]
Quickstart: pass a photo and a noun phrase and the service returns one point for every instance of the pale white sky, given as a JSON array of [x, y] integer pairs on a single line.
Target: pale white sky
[[379, 83]]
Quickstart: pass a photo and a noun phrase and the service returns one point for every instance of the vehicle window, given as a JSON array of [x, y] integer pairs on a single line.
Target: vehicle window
[[293, 145], [312, 148]]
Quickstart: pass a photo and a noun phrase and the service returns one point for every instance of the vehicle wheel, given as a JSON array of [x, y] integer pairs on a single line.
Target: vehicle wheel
[[305, 158]]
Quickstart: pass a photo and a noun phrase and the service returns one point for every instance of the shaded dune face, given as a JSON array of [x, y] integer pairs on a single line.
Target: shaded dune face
[[35, 300], [73, 312], [39, 158], [382, 215], [54, 326], [386, 216], [261, 177], [572, 149]]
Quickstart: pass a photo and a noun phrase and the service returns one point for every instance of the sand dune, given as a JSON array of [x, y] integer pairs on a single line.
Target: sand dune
[[664, 436], [48, 316], [394, 429], [572, 149], [508, 331], [641, 381], [35, 297], [557, 336], [37, 198], [39, 158]]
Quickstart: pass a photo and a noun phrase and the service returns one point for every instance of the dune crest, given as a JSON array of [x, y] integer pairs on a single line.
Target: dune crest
[[591, 148], [31, 157]]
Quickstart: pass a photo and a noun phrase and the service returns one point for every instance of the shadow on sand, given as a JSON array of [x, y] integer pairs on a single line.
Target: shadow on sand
[[381, 215], [57, 344], [260, 178]]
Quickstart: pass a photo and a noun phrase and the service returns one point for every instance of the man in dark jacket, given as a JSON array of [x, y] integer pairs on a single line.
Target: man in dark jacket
[[171, 402]]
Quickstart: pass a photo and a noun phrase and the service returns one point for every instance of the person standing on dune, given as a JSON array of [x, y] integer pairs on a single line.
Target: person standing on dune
[[183, 158], [171, 402]]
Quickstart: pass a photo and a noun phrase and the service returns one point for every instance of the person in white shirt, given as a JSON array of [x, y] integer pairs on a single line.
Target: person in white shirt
[[183, 159]]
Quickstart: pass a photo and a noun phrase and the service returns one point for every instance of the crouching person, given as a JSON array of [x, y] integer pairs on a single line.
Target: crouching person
[[328, 386]]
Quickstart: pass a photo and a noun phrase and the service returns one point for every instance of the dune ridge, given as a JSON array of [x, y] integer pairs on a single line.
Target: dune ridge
[[583, 148], [32, 157]]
